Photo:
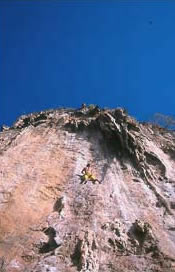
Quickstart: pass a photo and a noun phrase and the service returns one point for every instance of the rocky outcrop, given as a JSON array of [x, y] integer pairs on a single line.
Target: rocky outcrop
[[52, 221]]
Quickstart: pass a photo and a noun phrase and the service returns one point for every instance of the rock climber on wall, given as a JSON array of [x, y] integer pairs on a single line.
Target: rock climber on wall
[[87, 174]]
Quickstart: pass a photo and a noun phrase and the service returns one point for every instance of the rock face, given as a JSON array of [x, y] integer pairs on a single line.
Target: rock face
[[50, 220]]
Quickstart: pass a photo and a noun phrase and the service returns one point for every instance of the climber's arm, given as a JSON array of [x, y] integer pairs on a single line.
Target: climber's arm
[[83, 171]]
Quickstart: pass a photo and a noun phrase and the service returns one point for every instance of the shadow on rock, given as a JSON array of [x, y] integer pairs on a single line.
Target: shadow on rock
[[51, 244]]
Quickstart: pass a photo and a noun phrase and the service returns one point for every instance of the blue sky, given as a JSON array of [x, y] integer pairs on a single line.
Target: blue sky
[[65, 53]]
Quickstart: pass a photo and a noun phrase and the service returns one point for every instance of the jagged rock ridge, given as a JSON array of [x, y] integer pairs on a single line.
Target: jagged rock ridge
[[51, 221]]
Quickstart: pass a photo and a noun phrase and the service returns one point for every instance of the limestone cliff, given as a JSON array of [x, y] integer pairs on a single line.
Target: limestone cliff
[[52, 221]]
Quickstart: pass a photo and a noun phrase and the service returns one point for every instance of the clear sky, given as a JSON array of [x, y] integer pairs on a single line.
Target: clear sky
[[65, 53]]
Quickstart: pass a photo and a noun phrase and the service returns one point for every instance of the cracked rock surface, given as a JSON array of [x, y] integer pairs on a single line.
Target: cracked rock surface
[[50, 220]]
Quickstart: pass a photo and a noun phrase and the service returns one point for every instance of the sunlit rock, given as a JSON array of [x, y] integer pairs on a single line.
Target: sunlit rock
[[52, 221]]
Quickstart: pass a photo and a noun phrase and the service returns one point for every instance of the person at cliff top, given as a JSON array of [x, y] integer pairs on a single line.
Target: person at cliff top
[[87, 174]]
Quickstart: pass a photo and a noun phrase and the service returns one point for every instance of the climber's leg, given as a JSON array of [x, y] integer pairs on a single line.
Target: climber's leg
[[98, 181], [93, 179], [84, 178]]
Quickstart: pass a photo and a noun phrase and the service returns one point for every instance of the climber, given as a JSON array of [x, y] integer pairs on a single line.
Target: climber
[[87, 174]]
